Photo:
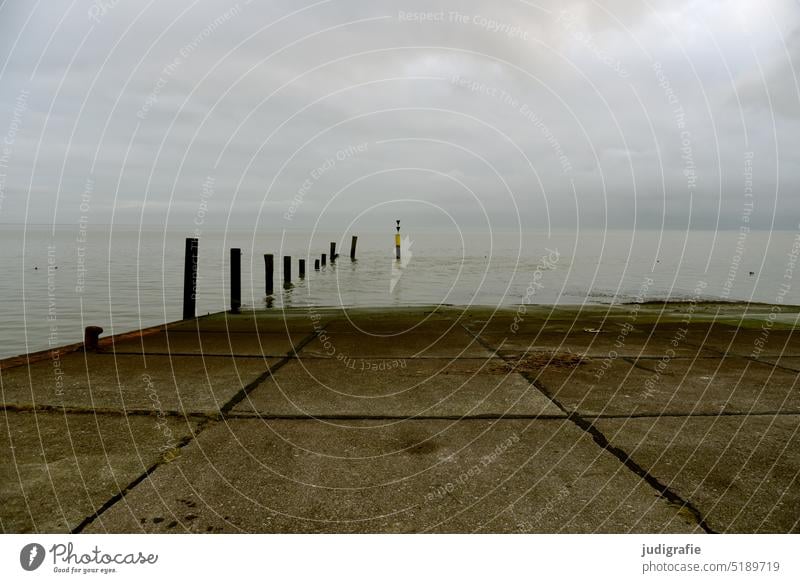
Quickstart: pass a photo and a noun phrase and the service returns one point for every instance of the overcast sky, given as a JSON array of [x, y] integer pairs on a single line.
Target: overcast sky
[[286, 114]]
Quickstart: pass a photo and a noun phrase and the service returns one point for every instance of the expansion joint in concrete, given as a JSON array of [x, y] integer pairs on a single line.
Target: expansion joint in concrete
[[602, 441], [227, 407]]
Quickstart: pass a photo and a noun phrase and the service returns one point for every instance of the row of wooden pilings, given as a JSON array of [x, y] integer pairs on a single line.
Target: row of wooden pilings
[[190, 273]]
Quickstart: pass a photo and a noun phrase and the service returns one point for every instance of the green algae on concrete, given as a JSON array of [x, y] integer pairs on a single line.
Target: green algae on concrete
[[677, 386]]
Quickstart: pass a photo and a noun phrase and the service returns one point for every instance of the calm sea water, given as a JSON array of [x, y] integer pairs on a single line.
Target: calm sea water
[[126, 278]]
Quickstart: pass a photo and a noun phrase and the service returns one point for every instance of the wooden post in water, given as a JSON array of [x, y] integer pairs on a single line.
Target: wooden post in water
[[287, 269], [316, 265], [333, 252], [269, 271], [353, 248], [189, 278], [302, 269], [323, 259], [236, 280]]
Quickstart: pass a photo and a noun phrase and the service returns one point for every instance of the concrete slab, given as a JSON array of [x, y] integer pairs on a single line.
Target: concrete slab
[[736, 384], [364, 466], [268, 344], [108, 382], [384, 325], [789, 362], [268, 321], [593, 342], [532, 318], [756, 342], [705, 386], [508, 328], [736, 314], [743, 473], [58, 469], [454, 344], [280, 476], [672, 338], [397, 388]]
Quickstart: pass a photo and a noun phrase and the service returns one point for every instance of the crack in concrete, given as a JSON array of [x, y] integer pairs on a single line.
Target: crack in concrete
[[108, 411], [218, 416], [601, 440], [345, 417], [186, 440]]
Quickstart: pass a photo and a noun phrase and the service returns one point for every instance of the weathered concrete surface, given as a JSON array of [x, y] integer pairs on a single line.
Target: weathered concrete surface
[[59, 469], [375, 420], [398, 387], [735, 384], [391, 324], [267, 344], [743, 471], [108, 382], [756, 343], [250, 322], [533, 319], [788, 362], [454, 344], [251, 476], [677, 386], [593, 341]]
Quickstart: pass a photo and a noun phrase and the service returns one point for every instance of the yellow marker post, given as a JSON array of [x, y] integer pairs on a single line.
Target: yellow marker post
[[397, 241]]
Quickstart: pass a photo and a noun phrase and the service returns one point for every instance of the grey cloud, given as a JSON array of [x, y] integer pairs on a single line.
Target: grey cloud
[[573, 94]]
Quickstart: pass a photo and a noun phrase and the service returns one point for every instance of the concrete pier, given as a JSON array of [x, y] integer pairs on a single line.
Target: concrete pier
[[678, 418]]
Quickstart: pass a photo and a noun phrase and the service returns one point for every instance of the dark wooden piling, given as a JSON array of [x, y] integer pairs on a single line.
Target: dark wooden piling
[[236, 280], [323, 259], [269, 274], [353, 248], [333, 252], [287, 269], [189, 278], [316, 265], [301, 270], [91, 336]]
